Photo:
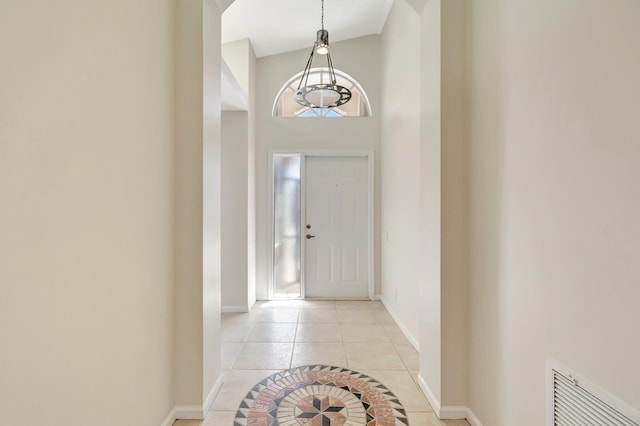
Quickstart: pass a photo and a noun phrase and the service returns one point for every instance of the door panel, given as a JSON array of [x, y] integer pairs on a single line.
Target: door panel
[[336, 207]]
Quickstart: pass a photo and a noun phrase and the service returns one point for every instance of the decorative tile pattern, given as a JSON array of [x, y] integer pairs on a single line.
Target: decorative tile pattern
[[320, 395]]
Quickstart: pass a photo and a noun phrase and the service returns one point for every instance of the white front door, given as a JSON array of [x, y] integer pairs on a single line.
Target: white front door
[[336, 227]]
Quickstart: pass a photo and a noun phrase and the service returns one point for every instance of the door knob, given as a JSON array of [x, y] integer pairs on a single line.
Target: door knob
[[309, 236]]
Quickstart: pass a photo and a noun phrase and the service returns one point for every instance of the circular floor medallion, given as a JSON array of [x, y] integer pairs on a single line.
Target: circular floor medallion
[[320, 395]]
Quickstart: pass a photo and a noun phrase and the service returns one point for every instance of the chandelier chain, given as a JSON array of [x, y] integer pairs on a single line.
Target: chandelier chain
[[324, 94]]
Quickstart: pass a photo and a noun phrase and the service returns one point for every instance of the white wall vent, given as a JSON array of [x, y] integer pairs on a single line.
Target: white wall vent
[[574, 402]]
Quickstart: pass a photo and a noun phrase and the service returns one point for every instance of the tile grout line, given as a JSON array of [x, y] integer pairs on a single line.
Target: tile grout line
[[295, 339], [342, 326], [344, 348]]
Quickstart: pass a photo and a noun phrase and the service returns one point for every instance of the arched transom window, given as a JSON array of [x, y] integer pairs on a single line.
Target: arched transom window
[[286, 106]]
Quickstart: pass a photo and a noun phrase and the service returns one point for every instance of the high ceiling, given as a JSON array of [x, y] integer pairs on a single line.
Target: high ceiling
[[277, 26]]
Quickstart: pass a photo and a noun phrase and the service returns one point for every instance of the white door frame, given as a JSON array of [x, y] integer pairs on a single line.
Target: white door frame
[[303, 153]]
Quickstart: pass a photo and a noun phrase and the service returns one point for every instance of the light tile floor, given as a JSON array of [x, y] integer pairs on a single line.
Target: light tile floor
[[279, 335]]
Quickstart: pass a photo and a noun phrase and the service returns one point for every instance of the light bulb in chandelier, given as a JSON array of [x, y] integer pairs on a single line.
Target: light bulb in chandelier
[[322, 42]]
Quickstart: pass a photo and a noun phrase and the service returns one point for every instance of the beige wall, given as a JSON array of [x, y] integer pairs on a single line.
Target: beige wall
[[400, 166], [554, 172], [357, 57], [86, 216], [102, 212], [251, 180], [454, 204], [240, 172], [430, 181], [197, 191], [211, 199], [236, 54], [444, 210], [235, 141]]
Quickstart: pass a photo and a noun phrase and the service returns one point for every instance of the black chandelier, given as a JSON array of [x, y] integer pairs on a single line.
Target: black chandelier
[[321, 95]]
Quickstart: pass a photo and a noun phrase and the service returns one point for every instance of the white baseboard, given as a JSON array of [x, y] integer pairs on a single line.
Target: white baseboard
[[433, 401], [447, 412], [452, 412], [189, 412], [233, 309], [414, 342], [472, 419], [170, 419], [208, 401], [195, 412], [376, 297]]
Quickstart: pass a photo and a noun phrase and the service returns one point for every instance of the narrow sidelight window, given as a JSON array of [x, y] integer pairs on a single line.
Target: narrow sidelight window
[[287, 226]]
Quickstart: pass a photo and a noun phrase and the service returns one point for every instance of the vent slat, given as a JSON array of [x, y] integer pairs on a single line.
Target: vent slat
[[591, 399], [573, 405], [561, 419], [563, 405], [581, 404], [566, 417], [599, 417], [610, 416]]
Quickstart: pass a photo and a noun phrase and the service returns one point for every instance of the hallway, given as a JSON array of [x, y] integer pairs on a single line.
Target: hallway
[[279, 335]]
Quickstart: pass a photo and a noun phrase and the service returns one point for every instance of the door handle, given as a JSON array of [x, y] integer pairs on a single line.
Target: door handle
[[309, 236]]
